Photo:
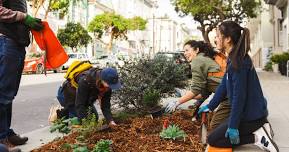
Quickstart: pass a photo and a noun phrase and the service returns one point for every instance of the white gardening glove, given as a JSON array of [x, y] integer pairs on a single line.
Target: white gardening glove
[[172, 106]]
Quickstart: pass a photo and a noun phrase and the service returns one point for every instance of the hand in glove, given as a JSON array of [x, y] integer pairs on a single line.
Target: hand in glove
[[171, 107], [196, 107], [233, 134], [203, 109], [33, 23]]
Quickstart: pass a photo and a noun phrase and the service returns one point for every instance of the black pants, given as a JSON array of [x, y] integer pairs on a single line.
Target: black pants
[[217, 137]]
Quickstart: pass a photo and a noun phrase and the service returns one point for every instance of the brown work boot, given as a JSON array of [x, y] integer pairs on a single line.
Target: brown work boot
[[17, 140]]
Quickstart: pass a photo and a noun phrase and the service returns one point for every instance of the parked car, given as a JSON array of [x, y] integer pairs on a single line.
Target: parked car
[[36, 65], [179, 58], [73, 57], [107, 60]]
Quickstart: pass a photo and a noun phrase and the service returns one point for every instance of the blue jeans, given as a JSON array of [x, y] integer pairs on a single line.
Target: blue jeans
[[11, 65], [3, 148]]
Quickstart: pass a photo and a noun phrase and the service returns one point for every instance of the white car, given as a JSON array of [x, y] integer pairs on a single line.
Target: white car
[[108, 60], [73, 57]]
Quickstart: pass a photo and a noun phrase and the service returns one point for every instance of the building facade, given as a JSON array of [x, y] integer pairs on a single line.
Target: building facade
[[269, 31]]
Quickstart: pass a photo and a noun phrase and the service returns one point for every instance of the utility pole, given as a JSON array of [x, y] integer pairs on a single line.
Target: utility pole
[[153, 34], [154, 9]]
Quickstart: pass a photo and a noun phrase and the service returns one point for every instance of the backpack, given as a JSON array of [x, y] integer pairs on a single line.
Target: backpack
[[221, 60], [76, 68]]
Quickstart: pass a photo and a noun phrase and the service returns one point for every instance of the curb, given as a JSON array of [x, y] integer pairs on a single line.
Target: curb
[[37, 138]]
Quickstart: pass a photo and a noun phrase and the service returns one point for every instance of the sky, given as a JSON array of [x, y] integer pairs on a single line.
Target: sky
[[165, 7]]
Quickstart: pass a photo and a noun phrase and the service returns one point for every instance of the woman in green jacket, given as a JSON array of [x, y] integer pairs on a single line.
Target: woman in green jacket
[[206, 77]]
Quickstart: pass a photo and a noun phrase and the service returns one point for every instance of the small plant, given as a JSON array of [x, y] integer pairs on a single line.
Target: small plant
[[78, 148], [151, 98], [89, 125], [64, 125], [268, 66], [61, 126], [65, 147], [173, 132], [102, 146]]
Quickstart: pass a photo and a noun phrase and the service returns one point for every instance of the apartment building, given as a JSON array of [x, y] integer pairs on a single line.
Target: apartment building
[[269, 31]]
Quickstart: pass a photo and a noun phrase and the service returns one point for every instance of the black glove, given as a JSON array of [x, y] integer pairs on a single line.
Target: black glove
[[195, 108]]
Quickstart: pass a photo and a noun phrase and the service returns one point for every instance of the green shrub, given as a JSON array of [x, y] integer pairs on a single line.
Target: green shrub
[[279, 58], [147, 76], [102, 146], [268, 66], [173, 132]]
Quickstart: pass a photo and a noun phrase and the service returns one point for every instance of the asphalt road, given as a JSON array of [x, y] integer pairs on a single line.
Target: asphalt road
[[31, 106]]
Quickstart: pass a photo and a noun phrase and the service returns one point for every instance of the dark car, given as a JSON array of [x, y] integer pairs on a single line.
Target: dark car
[[179, 58]]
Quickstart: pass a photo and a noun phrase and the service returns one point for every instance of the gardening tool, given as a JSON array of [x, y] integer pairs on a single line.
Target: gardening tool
[[103, 128], [204, 130], [166, 123], [158, 113]]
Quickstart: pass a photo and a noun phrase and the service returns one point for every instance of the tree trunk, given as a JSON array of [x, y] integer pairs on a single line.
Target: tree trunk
[[109, 46], [205, 34], [37, 8], [48, 10]]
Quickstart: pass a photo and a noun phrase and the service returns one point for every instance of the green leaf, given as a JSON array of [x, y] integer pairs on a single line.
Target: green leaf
[[81, 149], [102, 146], [172, 132]]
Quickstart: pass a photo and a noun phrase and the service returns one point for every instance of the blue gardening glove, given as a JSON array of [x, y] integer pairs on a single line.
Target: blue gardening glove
[[203, 109], [233, 134]]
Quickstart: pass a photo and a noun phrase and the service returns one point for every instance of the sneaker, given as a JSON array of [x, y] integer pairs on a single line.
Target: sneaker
[[264, 141], [269, 130], [17, 140], [14, 150]]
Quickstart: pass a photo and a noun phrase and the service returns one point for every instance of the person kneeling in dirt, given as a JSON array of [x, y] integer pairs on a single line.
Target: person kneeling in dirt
[[92, 84], [206, 76]]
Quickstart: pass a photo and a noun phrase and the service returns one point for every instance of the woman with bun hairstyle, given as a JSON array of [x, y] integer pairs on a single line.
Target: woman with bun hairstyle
[[206, 76]]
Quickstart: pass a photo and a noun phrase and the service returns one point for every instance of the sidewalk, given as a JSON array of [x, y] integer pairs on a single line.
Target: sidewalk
[[275, 89], [41, 78]]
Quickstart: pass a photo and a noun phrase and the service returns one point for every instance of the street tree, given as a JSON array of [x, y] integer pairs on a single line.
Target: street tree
[[115, 25], [209, 13], [52, 5], [73, 36]]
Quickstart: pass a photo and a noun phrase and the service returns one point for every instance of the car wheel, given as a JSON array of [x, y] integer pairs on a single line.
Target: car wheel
[[39, 69], [57, 70]]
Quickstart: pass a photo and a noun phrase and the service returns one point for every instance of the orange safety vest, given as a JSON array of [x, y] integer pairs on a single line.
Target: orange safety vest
[[221, 60]]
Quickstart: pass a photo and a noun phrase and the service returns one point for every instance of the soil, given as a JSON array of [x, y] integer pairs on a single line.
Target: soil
[[140, 134]]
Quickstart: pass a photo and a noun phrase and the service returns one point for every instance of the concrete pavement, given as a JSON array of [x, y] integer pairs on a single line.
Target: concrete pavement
[[276, 90], [41, 78]]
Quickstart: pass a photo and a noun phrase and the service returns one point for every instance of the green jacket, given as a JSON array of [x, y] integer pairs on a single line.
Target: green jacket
[[201, 66]]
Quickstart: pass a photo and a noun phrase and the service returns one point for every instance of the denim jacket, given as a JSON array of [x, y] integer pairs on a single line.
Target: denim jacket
[[245, 94]]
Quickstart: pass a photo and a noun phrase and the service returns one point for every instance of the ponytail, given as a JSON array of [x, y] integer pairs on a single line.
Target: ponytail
[[241, 41]]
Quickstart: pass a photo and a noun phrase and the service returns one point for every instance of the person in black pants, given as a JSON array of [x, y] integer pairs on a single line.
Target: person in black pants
[[92, 84], [248, 116]]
